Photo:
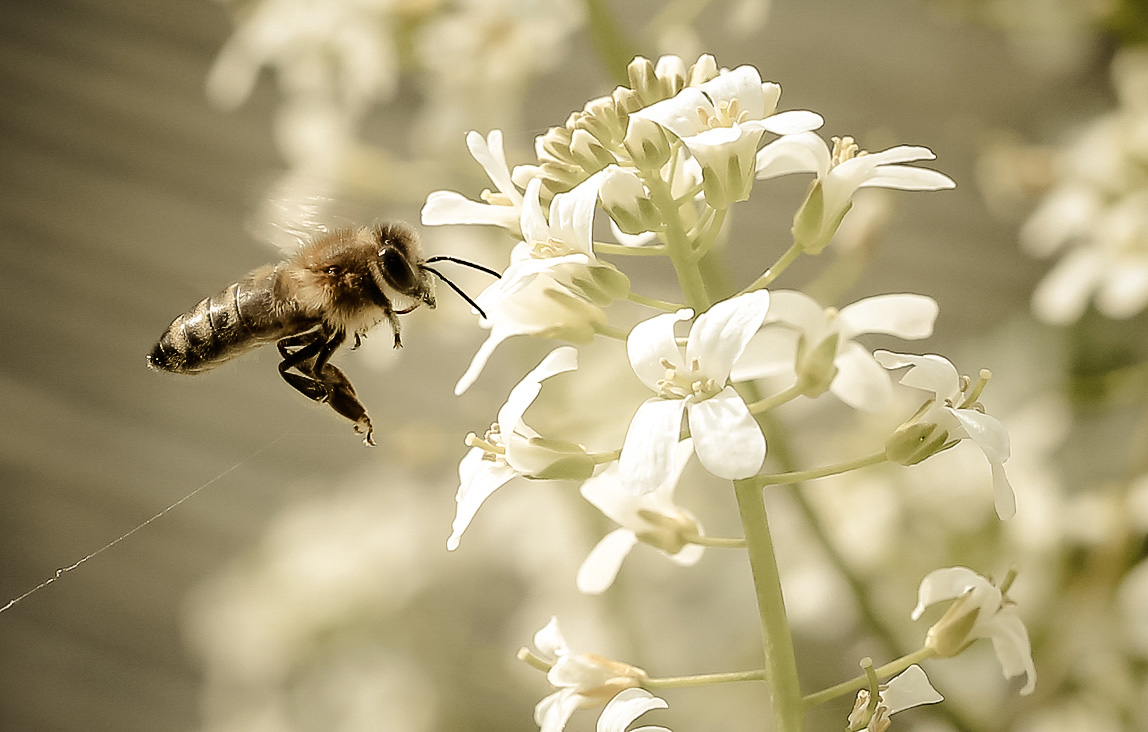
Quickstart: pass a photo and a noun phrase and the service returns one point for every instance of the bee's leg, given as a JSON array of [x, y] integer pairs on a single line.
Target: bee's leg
[[344, 401], [309, 346]]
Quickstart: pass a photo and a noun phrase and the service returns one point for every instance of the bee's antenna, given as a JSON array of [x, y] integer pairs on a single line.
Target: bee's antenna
[[456, 260], [455, 287]]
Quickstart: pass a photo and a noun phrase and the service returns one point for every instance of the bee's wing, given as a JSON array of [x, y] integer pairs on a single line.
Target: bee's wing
[[295, 208]]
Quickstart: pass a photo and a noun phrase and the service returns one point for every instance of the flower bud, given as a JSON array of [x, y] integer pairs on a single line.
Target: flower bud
[[704, 69], [672, 73], [625, 201], [600, 117], [666, 532], [643, 80], [911, 443], [647, 143], [588, 153]]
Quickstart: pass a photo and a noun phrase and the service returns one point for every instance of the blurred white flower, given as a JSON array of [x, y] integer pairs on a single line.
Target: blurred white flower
[[981, 610], [555, 287], [954, 415], [511, 448], [1098, 213], [502, 208], [722, 122], [627, 706], [726, 437], [651, 518], [839, 174], [340, 49], [911, 688], [583, 680], [814, 346]]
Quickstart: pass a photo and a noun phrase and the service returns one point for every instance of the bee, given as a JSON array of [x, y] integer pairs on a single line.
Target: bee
[[340, 284]]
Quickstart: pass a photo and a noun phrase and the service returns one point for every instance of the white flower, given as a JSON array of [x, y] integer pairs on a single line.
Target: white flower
[[582, 679], [650, 517], [555, 287], [839, 175], [911, 688], [981, 610], [813, 345], [727, 439], [954, 415], [627, 706], [502, 208], [511, 448], [339, 49], [722, 122]]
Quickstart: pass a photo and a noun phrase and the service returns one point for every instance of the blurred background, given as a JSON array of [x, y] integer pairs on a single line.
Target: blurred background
[[154, 152]]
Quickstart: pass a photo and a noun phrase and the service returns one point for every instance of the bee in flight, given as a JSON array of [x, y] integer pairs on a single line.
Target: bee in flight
[[340, 284]]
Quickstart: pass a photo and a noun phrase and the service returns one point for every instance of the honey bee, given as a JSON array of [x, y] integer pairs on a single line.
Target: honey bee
[[340, 284]]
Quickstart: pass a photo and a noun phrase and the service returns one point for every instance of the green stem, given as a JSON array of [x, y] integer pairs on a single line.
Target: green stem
[[653, 302], [798, 476], [613, 47], [771, 402], [780, 661], [678, 245], [860, 682], [648, 250], [710, 232], [775, 271], [668, 682], [610, 331]]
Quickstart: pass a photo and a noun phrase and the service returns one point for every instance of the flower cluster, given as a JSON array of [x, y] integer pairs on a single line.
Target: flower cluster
[[665, 159]]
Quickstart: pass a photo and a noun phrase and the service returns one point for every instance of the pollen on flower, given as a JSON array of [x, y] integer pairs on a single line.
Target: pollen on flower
[[490, 444], [844, 148]]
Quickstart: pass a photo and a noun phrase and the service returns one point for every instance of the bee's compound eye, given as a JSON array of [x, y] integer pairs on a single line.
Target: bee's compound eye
[[398, 271]]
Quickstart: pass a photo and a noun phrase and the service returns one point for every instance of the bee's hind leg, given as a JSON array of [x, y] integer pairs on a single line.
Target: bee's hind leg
[[308, 346], [342, 398]]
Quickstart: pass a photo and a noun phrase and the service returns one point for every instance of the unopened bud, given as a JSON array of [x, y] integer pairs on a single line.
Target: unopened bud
[[816, 369], [588, 153], [625, 200], [643, 79], [672, 73], [647, 143]]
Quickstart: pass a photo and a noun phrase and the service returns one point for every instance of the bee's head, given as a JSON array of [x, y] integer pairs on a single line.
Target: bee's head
[[400, 264]]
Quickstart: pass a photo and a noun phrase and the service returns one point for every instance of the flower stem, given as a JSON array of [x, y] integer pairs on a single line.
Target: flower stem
[[780, 661], [770, 402], [797, 476], [653, 302], [649, 250], [775, 271], [860, 682], [610, 331], [668, 682], [678, 245]]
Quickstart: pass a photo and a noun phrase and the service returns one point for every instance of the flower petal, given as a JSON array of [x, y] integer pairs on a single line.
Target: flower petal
[[860, 381], [572, 215], [447, 207], [902, 315], [627, 706], [946, 584], [792, 122], [727, 438], [804, 152], [526, 391], [648, 453], [535, 227], [554, 711], [986, 431], [490, 155], [550, 641], [929, 373], [478, 478], [721, 333], [911, 688], [601, 566], [771, 352], [1013, 649], [653, 340], [908, 178]]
